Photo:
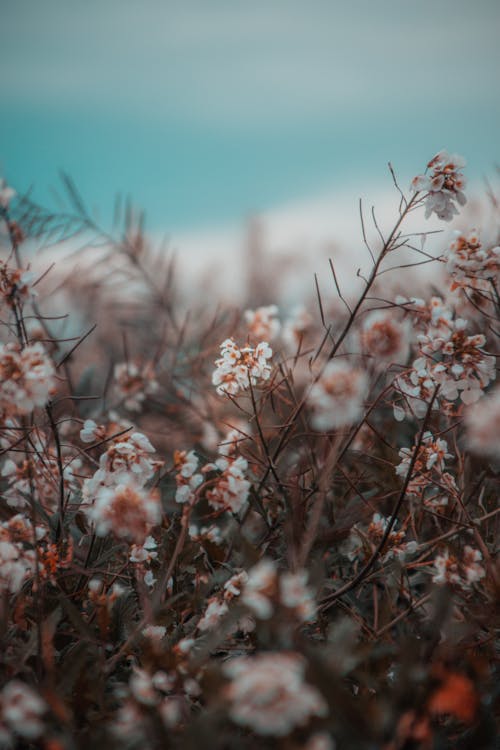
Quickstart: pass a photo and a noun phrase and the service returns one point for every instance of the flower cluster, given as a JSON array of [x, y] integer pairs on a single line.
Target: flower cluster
[[385, 339], [117, 499], [462, 572], [444, 185], [451, 359], [469, 264], [263, 323], [265, 588], [238, 369], [17, 553], [429, 481], [27, 378], [361, 543], [15, 284], [21, 713], [337, 397], [226, 490], [269, 694], [133, 383]]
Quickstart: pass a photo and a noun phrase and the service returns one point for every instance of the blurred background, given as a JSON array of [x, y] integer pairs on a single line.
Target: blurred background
[[207, 113]]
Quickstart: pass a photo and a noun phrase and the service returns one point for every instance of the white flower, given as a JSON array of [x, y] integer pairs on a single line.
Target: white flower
[[127, 510], [237, 369], [88, 433], [22, 709], [213, 613], [260, 589], [268, 693], [263, 322], [385, 338], [337, 397], [27, 378], [443, 185], [296, 595]]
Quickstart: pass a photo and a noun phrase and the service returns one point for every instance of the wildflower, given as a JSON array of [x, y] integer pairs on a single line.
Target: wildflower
[[482, 421], [134, 383], [470, 264], [15, 284], [6, 194], [210, 534], [362, 543], [296, 328], [337, 397], [145, 552], [90, 432], [463, 573], [128, 458], [213, 614], [231, 489], [263, 322], [429, 464], [295, 594], [463, 369], [235, 585], [154, 633], [444, 185], [237, 368], [27, 378], [268, 693], [127, 510], [187, 478], [22, 710], [385, 338], [261, 588]]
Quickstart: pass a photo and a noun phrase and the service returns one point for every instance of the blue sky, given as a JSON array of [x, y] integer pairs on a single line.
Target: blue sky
[[206, 112]]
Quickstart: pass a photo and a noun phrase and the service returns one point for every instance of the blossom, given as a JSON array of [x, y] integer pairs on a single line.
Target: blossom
[[463, 369], [237, 369], [338, 395], [432, 454], [187, 478], [22, 709], [231, 488], [263, 323], [462, 573], [127, 510], [15, 284], [385, 338], [90, 431], [128, 458], [444, 185], [133, 382], [268, 693], [470, 264], [27, 378], [234, 585], [213, 614], [261, 588], [482, 421], [296, 595], [360, 544]]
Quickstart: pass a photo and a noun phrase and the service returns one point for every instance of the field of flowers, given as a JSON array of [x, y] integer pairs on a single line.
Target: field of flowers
[[253, 528]]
